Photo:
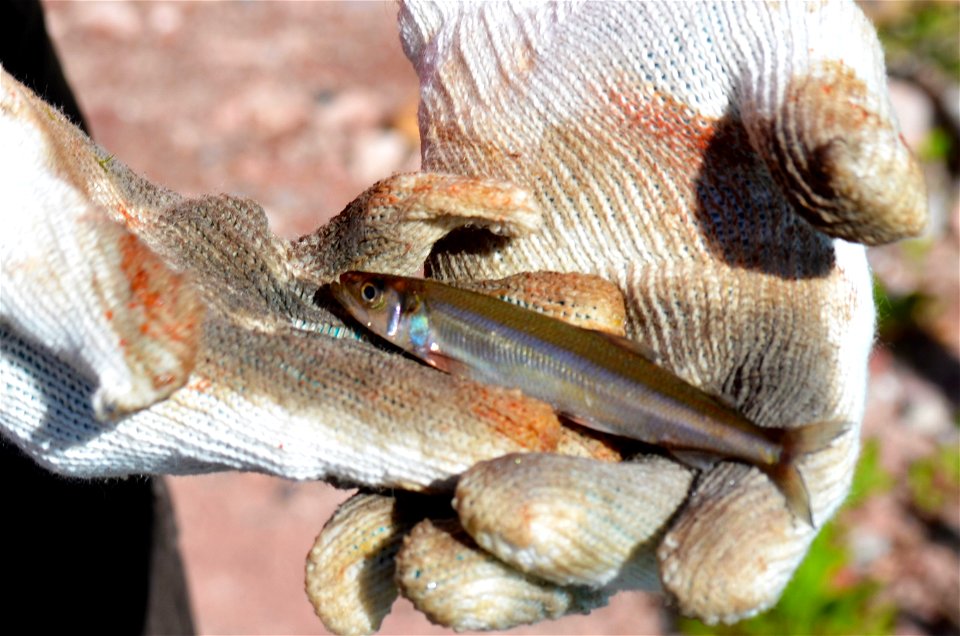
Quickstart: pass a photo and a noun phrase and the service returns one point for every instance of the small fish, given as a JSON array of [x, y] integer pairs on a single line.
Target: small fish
[[596, 379]]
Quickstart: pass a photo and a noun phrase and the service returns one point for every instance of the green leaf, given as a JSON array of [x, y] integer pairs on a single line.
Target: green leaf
[[935, 480]]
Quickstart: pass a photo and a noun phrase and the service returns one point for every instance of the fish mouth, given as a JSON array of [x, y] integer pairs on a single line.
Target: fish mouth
[[337, 290], [341, 294]]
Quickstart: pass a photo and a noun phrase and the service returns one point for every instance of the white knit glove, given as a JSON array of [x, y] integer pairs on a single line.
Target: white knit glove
[[672, 149]]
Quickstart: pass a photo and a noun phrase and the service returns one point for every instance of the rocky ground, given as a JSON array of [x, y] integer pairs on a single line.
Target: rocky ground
[[303, 105]]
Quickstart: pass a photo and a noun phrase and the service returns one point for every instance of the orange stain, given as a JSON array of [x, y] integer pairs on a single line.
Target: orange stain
[[201, 385], [528, 422], [130, 220], [163, 380], [138, 267], [659, 120]]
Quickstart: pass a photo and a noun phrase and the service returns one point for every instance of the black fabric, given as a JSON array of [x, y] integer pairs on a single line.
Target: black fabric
[[76, 555], [27, 53]]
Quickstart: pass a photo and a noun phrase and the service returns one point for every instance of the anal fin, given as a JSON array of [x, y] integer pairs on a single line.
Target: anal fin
[[789, 481]]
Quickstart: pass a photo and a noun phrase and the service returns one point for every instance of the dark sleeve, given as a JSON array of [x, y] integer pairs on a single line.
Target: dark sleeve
[[88, 556], [27, 53]]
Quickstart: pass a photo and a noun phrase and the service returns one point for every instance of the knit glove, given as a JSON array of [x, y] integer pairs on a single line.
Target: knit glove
[[718, 163], [142, 332]]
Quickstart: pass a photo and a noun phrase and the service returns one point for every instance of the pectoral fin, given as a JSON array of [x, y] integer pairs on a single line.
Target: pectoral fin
[[698, 460], [444, 362]]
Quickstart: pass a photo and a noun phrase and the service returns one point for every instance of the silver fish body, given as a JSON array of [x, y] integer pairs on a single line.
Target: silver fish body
[[598, 380]]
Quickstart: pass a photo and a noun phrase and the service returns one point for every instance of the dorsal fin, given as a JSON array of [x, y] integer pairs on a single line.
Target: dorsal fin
[[631, 345]]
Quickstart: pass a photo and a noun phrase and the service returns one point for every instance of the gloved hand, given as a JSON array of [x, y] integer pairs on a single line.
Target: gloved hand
[[713, 161], [680, 177]]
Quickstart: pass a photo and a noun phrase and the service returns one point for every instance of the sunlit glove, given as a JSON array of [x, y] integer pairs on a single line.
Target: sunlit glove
[[709, 160], [142, 332]]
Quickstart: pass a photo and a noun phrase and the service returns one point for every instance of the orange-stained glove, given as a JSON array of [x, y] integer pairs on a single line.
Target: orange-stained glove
[[702, 158]]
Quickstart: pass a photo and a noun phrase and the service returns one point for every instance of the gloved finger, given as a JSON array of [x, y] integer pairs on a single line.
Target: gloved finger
[[735, 546], [571, 520], [286, 402], [826, 129], [350, 569], [587, 301], [392, 225], [457, 584], [78, 282]]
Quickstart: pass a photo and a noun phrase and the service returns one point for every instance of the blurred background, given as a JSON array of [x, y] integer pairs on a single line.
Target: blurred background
[[301, 106]]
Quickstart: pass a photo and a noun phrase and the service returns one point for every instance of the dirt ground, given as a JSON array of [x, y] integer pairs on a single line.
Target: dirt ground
[[301, 106]]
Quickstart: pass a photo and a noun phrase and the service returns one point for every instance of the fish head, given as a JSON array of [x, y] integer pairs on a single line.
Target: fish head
[[389, 306]]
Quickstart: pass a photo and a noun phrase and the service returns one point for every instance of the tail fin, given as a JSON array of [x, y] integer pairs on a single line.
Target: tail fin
[[811, 438], [797, 442]]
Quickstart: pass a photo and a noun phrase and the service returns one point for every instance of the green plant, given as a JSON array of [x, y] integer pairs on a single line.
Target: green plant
[[925, 30], [936, 146], [935, 480], [899, 314]]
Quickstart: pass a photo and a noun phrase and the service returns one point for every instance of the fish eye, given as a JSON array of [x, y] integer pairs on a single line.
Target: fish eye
[[369, 292]]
